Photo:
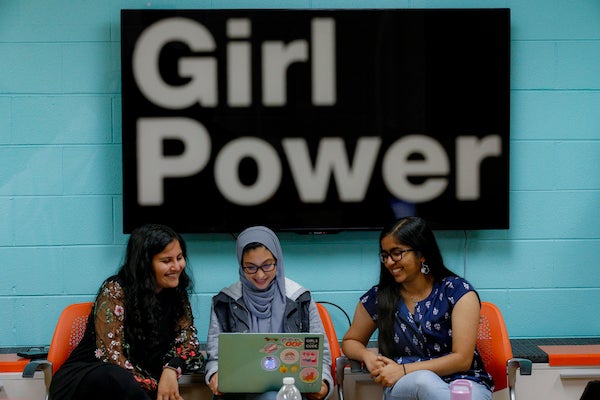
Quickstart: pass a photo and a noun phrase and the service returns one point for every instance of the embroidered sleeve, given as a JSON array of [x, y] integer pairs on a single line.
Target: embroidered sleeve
[[185, 355], [109, 316]]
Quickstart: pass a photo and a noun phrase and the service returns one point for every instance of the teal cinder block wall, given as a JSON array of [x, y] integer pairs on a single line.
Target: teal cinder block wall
[[61, 186]]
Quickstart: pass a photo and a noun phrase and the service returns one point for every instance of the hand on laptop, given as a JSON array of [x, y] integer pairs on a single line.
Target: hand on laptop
[[320, 394], [214, 384]]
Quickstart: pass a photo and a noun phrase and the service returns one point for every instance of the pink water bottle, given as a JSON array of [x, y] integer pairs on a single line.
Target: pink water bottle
[[460, 389]]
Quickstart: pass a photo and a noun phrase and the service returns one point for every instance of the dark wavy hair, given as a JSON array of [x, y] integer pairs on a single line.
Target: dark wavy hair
[[415, 233], [137, 278]]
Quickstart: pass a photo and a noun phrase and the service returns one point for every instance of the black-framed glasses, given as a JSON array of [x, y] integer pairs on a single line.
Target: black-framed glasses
[[252, 269], [395, 254]]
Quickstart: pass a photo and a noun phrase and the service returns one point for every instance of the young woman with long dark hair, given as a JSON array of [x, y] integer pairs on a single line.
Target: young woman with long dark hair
[[140, 335], [427, 319]]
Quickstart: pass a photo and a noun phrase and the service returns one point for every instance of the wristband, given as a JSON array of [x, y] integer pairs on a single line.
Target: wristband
[[404, 368], [177, 370]]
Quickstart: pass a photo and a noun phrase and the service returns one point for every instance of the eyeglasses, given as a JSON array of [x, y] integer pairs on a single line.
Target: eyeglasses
[[395, 254], [251, 270]]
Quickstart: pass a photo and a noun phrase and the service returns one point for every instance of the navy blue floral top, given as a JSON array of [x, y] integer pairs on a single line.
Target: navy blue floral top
[[428, 333]]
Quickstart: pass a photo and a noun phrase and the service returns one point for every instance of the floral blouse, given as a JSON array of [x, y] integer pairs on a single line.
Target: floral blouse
[[109, 317]]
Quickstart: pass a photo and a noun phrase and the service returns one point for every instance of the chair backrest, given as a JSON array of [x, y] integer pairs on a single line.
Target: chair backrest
[[68, 333], [334, 344], [493, 343]]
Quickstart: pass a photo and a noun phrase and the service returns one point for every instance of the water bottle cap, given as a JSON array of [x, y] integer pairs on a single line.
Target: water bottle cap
[[461, 386], [289, 380], [460, 389]]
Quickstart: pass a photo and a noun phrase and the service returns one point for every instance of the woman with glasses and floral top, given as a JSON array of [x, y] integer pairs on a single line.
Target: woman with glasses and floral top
[[140, 336], [427, 319], [263, 300]]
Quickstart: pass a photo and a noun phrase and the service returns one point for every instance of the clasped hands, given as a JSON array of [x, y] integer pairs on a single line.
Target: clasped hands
[[384, 371]]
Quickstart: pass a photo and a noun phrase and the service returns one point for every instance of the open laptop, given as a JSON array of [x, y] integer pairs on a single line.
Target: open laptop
[[258, 362]]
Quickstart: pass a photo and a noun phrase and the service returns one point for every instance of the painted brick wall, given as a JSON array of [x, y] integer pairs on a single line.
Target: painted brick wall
[[60, 175]]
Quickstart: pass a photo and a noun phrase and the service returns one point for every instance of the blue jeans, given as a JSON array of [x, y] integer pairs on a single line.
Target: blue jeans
[[426, 385]]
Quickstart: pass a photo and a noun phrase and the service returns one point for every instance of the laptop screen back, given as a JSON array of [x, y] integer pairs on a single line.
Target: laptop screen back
[[258, 362]]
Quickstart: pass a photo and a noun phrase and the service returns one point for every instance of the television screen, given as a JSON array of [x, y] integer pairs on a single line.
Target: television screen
[[315, 120]]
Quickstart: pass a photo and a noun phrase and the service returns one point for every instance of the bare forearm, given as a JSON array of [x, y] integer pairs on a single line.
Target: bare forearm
[[356, 350], [446, 365]]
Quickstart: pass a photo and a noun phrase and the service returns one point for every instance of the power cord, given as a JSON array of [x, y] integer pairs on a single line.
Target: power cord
[[339, 308]]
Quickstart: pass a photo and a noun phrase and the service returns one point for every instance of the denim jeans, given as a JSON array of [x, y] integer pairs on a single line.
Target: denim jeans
[[427, 385]]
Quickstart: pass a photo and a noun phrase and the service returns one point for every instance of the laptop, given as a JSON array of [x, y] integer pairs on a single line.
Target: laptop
[[258, 362]]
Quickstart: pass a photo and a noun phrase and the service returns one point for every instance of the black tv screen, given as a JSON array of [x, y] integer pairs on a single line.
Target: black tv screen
[[315, 120]]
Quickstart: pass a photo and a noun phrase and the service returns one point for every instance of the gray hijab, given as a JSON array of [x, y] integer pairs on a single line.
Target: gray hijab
[[267, 307]]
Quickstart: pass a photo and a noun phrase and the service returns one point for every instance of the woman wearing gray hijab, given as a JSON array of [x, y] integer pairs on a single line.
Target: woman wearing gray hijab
[[263, 300]]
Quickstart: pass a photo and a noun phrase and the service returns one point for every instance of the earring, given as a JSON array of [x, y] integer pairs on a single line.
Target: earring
[[425, 268]]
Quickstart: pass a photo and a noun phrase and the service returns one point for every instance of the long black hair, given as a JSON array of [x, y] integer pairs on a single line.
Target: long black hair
[[415, 233], [143, 308]]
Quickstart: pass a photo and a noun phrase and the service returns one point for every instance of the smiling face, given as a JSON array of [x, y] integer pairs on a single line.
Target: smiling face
[[259, 257], [168, 265], [408, 267]]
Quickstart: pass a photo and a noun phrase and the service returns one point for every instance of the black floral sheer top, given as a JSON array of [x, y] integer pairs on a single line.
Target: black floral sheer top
[[109, 316]]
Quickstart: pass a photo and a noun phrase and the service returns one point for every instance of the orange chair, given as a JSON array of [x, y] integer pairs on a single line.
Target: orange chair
[[67, 334], [493, 345], [338, 362]]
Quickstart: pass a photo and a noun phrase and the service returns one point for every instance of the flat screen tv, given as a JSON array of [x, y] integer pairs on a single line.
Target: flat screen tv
[[315, 120]]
